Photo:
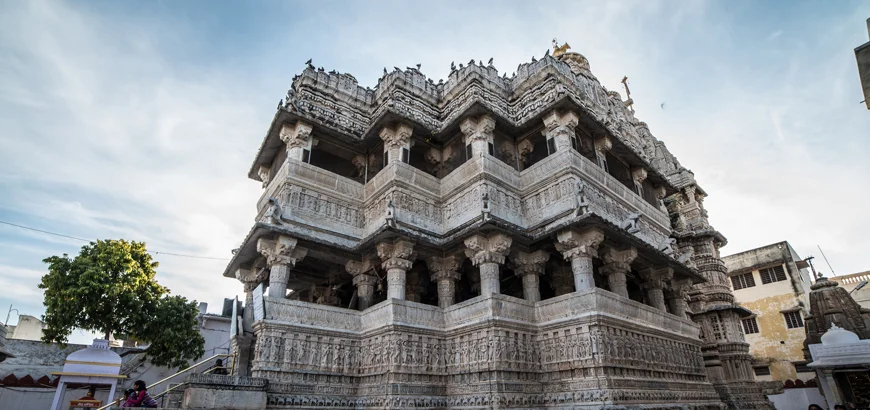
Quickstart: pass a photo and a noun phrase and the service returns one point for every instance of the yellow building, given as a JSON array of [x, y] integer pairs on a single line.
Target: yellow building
[[774, 283]]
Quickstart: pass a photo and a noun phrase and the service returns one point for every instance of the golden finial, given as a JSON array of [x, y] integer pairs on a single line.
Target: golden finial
[[559, 50]]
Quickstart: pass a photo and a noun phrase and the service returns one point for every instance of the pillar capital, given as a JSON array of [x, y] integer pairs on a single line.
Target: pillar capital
[[281, 256], [365, 283], [445, 267], [491, 248], [297, 135], [282, 251], [478, 128], [529, 263], [397, 254], [573, 243], [396, 136], [638, 175], [616, 264], [603, 145], [619, 260], [560, 122], [444, 271], [397, 257], [559, 126], [529, 266], [250, 278]]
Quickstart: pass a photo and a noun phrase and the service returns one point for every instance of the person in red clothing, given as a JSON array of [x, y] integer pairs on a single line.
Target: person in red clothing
[[140, 398], [91, 393]]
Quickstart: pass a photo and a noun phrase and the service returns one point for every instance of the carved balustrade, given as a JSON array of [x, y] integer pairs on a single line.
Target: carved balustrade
[[481, 187]]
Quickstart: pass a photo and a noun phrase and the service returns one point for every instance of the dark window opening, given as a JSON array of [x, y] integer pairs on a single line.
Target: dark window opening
[[386, 159], [745, 280], [539, 152], [649, 194], [801, 367], [277, 163], [504, 150], [750, 326], [793, 319], [332, 158], [406, 155], [468, 152], [490, 148], [620, 171], [551, 146], [774, 274], [762, 371]]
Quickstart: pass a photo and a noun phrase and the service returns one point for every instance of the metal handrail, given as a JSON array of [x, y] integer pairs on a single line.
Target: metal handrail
[[194, 367]]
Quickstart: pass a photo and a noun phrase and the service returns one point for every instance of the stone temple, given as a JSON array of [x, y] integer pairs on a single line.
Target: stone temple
[[487, 241]]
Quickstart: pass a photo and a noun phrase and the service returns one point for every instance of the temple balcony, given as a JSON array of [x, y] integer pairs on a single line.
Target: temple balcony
[[531, 200]]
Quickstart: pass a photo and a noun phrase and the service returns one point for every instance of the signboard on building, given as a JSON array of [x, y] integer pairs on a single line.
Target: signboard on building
[[259, 307]]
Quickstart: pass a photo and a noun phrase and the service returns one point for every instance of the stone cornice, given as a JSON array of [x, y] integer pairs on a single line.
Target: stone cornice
[[336, 102]]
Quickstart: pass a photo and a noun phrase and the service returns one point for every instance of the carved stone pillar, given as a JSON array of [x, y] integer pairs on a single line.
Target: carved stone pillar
[[529, 266], [560, 128], [396, 257], [562, 281], [444, 272], [616, 264], [250, 280], [365, 283], [602, 145], [654, 283], [281, 256], [297, 137], [478, 133], [677, 297], [396, 139], [579, 247], [488, 252]]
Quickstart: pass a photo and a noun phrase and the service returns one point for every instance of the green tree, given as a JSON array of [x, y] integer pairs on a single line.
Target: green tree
[[110, 288]]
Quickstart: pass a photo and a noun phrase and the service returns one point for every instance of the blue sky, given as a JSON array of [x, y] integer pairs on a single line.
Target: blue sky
[[140, 119]]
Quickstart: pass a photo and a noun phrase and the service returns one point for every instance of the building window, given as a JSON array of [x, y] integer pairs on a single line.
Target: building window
[[762, 371], [750, 326], [468, 152], [551, 146], [490, 148], [801, 367], [793, 319], [406, 155], [745, 280], [774, 274]]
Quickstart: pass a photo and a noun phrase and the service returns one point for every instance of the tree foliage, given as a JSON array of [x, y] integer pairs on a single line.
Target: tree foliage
[[110, 288]]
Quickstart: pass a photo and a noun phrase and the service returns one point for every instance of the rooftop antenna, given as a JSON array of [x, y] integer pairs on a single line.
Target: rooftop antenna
[[10, 314], [826, 261]]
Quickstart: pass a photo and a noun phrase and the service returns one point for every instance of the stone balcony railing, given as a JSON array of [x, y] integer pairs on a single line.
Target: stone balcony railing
[[546, 313], [531, 199]]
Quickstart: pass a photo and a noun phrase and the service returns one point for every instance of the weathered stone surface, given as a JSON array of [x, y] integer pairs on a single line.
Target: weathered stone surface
[[450, 235]]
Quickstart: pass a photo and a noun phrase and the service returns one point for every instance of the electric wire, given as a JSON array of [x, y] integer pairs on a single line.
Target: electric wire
[[181, 255]]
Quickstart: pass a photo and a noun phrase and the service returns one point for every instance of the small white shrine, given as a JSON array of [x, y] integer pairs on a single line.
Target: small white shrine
[[840, 351], [94, 365]]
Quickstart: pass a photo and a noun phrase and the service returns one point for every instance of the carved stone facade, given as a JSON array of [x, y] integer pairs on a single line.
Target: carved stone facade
[[523, 242]]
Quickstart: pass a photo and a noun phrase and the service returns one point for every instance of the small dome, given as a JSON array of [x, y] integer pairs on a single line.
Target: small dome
[[95, 359], [838, 336]]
